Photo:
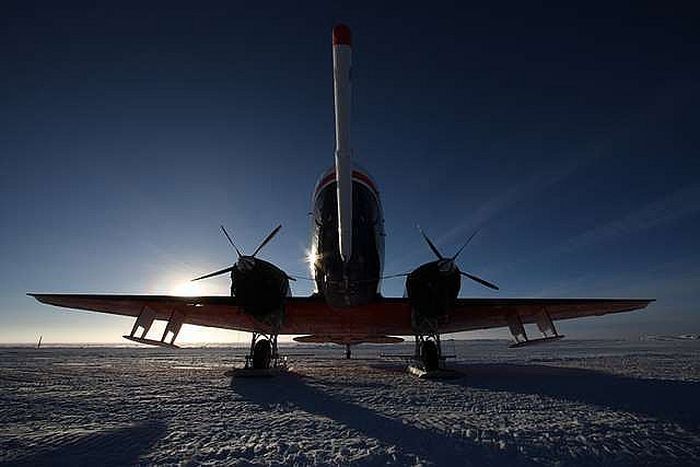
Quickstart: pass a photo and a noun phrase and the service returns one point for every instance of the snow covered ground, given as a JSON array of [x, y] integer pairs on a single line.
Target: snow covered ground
[[569, 403]]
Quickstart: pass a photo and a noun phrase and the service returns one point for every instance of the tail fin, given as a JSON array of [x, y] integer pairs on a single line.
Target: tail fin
[[342, 84]]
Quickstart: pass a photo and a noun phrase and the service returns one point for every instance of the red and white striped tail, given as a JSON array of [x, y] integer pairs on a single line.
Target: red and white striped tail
[[342, 86]]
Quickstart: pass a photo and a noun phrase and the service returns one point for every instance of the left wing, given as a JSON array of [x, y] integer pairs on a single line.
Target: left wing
[[212, 311]]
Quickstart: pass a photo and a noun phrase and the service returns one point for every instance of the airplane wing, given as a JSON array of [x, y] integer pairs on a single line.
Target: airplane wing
[[211, 311], [311, 315], [473, 313]]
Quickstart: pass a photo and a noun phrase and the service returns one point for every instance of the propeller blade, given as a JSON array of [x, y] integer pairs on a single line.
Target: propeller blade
[[267, 239], [301, 277], [228, 237], [479, 280], [393, 276], [430, 243], [375, 279], [465, 244], [217, 273]]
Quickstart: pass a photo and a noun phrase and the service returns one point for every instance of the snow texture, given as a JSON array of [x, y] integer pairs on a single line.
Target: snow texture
[[569, 403]]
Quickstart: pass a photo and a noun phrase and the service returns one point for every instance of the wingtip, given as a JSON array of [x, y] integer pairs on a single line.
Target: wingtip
[[41, 298]]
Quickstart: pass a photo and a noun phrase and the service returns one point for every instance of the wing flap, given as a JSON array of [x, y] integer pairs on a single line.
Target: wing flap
[[473, 314]]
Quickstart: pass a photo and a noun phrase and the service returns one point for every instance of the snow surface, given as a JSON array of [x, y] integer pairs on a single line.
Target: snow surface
[[568, 403]]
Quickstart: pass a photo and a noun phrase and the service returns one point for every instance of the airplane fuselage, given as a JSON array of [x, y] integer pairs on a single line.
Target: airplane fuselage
[[356, 280]]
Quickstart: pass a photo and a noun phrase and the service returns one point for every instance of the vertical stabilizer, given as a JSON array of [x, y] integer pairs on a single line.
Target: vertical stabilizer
[[342, 86]]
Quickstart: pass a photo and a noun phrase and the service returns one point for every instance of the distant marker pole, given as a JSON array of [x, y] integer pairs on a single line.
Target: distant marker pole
[[342, 86]]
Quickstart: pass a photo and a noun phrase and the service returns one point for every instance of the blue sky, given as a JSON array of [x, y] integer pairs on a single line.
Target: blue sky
[[567, 135]]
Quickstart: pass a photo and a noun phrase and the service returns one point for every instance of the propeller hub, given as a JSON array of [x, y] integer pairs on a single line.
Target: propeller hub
[[245, 263], [446, 266]]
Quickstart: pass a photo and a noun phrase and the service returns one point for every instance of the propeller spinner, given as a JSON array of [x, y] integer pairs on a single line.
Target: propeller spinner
[[447, 264]]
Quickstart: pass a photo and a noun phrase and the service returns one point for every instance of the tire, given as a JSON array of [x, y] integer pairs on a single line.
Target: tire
[[430, 356], [262, 354]]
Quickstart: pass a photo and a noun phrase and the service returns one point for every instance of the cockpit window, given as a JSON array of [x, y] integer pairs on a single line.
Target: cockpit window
[[326, 208], [364, 206]]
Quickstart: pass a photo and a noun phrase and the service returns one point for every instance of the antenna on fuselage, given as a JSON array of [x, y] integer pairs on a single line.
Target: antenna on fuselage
[[342, 88]]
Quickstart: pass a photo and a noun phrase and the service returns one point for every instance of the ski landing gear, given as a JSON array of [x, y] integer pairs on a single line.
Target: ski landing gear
[[428, 353], [263, 358], [428, 360], [263, 352], [427, 357]]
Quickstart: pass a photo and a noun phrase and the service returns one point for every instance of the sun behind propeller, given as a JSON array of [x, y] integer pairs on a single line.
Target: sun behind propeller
[[244, 262]]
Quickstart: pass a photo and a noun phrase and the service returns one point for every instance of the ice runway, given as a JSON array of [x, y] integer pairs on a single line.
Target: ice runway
[[570, 403]]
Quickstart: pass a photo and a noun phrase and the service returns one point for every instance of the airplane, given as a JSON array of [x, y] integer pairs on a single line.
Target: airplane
[[346, 259]]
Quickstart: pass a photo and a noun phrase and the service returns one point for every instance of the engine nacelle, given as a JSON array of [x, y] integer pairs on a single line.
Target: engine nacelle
[[260, 287], [432, 290]]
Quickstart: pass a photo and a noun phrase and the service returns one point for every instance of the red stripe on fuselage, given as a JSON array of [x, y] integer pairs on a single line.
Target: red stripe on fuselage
[[356, 175]]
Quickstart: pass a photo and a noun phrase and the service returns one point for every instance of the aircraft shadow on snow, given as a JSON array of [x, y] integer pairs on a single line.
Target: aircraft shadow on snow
[[121, 446], [675, 401], [440, 448]]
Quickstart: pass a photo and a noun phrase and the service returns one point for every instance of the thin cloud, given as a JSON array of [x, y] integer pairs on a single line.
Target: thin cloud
[[515, 195], [675, 206], [497, 205]]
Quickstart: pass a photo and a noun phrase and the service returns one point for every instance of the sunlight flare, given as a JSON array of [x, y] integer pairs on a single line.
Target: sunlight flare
[[188, 289]]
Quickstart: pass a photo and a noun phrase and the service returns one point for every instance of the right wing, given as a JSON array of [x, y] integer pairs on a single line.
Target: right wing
[[470, 314]]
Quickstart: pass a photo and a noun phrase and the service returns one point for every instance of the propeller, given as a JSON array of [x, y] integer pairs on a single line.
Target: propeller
[[479, 280], [430, 244], [293, 277], [244, 262], [269, 237], [448, 264], [228, 237], [217, 273]]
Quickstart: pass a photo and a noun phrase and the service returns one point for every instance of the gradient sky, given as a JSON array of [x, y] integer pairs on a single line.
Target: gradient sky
[[567, 135]]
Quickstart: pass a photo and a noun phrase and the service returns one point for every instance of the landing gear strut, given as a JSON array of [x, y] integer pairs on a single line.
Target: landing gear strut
[[263, 352], [348, 353], [428, 353]]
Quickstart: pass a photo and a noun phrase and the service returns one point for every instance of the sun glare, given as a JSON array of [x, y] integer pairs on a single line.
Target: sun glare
[[188, 289], [311, 257]]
